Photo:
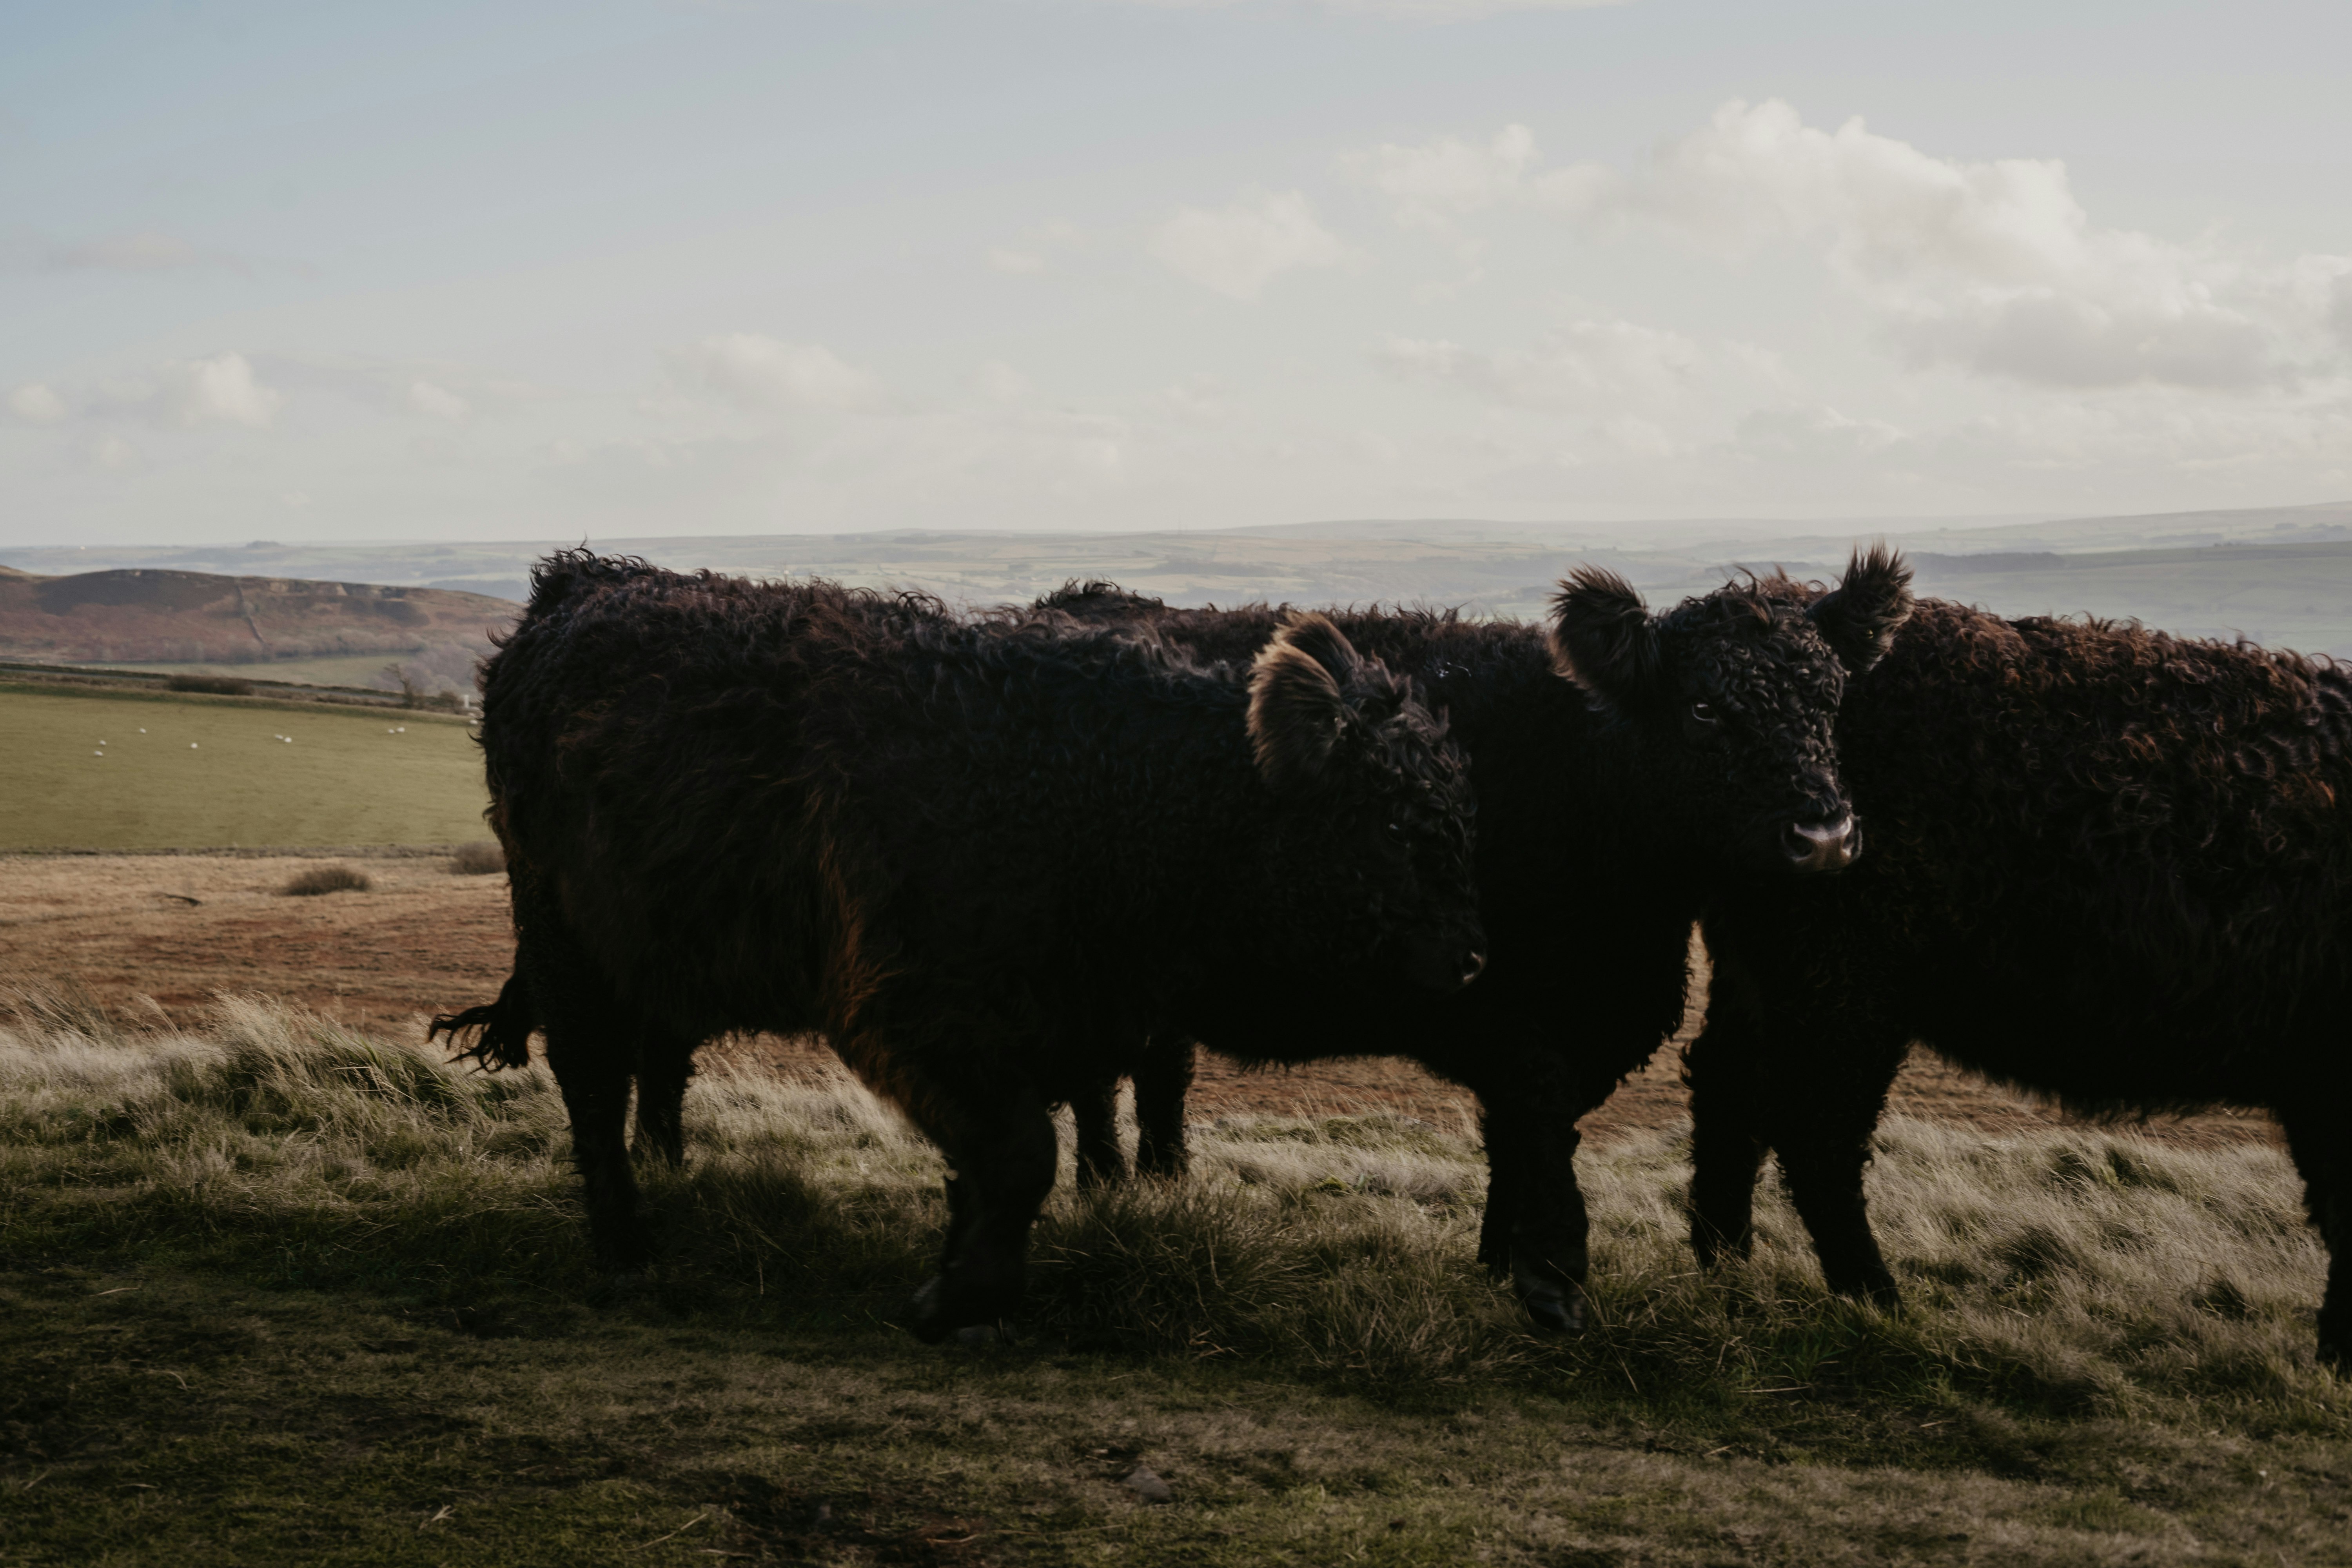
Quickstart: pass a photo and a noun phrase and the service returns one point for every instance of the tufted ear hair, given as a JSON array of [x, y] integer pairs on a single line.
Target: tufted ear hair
[[1299, 703], [1602, 638], [1860, 616]]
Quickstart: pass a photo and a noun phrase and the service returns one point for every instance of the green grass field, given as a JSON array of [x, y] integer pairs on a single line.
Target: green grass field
[[274, 1291], [182, 771]]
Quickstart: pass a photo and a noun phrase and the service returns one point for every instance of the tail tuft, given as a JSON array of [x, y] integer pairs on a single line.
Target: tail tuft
[[501, 1030]]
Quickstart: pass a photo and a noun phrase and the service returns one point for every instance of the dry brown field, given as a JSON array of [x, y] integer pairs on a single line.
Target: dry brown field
[[141, 931]]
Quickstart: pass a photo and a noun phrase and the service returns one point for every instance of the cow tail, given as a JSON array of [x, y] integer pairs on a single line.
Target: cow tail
[[501, 1030]]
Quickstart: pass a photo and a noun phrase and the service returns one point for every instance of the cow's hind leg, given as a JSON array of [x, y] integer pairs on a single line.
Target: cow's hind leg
[[1163, 1077], [1095, 1109], [592, 1050], [591, 1063], [2321, 1143]]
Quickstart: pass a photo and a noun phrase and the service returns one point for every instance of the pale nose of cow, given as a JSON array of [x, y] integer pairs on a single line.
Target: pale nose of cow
[[1829, 846]]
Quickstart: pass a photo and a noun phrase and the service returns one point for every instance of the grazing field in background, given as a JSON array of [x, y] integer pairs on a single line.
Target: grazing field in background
[[213, 771], [277, 1290]]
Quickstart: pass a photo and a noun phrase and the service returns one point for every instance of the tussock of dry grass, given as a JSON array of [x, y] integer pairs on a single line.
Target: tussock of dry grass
[[336, 879], [482, 858], [2073, 1272]]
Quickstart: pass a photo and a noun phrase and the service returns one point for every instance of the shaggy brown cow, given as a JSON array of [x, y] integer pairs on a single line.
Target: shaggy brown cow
[[1686, 750], [2106, 864], [975, 858]]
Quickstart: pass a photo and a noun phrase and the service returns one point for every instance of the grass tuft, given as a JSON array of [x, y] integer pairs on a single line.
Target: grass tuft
[[482, 858], [318, 880]]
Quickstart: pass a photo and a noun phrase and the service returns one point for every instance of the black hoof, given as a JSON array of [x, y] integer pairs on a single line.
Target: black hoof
[[1555, 1305], [931, 1317], [926, 1312], [2333, 1356]]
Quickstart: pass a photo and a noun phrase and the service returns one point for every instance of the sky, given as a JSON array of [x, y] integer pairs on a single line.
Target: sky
[[601, 269]]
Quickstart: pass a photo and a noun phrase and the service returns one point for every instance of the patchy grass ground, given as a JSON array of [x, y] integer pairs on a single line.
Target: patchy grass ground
[[277, 1291], [135, 770]]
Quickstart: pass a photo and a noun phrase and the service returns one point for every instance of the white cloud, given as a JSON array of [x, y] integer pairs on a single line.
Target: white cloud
[[1237, 251], [114, 452], [756, 372], [1594, 364], [1990, 267], [999, 383], [36, 404], [222, 390], [1818, 432], [437, 401], [1993, 266], [1015, 263], [1450, 177], [1200, 399]]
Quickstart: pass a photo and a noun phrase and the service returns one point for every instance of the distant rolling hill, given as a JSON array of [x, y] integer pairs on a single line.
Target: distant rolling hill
[[149, 617]]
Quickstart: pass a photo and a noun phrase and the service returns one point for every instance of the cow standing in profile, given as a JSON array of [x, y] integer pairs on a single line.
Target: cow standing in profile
[[1627, 765], [982, 860], [2107, 864]]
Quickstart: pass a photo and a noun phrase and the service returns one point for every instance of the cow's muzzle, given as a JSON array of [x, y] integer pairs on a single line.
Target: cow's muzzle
[[1828, 845]]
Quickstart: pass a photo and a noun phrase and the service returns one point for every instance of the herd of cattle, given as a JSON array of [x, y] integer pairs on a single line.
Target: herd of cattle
[[1003, 860]]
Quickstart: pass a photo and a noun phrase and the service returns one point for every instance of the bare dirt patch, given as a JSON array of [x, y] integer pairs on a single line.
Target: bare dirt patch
[[180, 927]]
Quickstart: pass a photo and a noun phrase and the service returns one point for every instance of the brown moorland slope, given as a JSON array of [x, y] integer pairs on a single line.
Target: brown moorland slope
[[142, 616]]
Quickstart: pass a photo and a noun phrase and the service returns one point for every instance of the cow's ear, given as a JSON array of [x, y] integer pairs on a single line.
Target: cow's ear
[[1296, 706], [1602, 638], [1860, 616]]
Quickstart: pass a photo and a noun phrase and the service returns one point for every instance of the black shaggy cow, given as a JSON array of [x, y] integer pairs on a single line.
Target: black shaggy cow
[[975, 858], [1683, 750], [2106, 864]]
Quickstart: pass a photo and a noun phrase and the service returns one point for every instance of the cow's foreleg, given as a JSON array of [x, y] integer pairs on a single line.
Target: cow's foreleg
[[1536, 1231], [1822, 1134], [1162, 1080], [1728, 1150], [1001, 1150]]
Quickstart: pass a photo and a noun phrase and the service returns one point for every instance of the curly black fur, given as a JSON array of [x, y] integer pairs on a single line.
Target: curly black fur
[[2107, 864], [1606, 812], [984, 859]]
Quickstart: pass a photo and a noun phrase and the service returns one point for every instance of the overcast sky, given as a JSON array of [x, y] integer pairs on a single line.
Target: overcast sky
[[524, 271]]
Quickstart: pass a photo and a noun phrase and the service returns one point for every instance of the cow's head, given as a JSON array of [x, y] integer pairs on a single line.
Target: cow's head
[[1371, 849], [1727, 702]]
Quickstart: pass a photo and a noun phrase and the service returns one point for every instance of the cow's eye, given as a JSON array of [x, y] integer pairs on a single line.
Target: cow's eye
[[1703, 712], [1396, 830]]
